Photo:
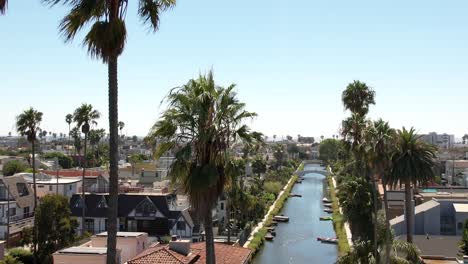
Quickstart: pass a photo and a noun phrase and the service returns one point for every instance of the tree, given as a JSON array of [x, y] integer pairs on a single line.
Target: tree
[[106, 41], [10, 259], [412, 163], [95, 136], [27, 124], [134, 159], [289, 138], [56, 227], [64, 161], [3, 6], [357, 97], [69, 120], [258, 166], [464, 240], [380, 143], [329, 149], [279, 154], [201, 123], [84, 116], [22, 255], [465, 138], [14, 166], [75, 134], [121, 127]]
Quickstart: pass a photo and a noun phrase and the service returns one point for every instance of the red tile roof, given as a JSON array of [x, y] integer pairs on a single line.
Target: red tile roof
[[163, 255], [225, 254]]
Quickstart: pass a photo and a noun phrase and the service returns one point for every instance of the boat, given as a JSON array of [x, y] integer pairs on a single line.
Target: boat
[[273, 233], [328, 205], [328, 210], [326, 218], [274, 223], [269, 237], [328, 240], [325, 200], [270, 229], [281, 218], [295, 195]]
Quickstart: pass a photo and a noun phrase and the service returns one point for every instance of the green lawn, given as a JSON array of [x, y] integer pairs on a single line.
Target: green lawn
[[338, 221]]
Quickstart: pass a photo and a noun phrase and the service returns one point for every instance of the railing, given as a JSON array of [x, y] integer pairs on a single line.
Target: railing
[[16, 218]]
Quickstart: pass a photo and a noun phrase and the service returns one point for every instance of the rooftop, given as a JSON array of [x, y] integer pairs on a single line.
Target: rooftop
[[124, 234], [460, 208], [418, 209], [441, 246], [84, 250]]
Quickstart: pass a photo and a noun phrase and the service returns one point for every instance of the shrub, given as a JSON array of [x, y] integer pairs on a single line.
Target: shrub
[[272, 187], [14, 166], [64, 161], [23, 255]]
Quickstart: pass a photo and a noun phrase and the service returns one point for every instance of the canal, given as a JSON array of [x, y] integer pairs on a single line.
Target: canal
[[296, 242]]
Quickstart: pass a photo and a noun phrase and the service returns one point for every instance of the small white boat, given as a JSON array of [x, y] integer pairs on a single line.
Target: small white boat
[[328, 240], [325, 200]]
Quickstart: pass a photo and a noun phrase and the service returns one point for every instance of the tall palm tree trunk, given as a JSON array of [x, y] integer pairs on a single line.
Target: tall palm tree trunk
[[210, 250], [83, 194], [374, 218], [408, 212], [113, 160], [68, 143], [388, 246], [33, 150]]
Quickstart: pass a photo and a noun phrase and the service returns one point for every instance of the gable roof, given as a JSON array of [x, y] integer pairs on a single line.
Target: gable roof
[[225, 254], [22, 201], [127, 203], [163, 255]]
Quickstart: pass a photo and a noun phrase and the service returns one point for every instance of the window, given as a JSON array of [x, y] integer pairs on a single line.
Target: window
[[460, 225], [145, 208], [102, 203], [69, 187], [222, 206], [22, 189], [12, 212], [26, 211], [78, 203], [50, 188], [180, 225], [89, 225], [40, 186]]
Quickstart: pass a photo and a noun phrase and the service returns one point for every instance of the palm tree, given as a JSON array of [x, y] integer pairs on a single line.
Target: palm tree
[[3, 6], [121, 127], [95, 136], [106, 41], [380, 141], [201, 123], [357, 97], [412, 163], [27, 124], [84, 116], [69, 120]]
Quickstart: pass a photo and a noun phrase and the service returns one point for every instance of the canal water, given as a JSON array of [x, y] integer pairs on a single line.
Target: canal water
[[296, 241]]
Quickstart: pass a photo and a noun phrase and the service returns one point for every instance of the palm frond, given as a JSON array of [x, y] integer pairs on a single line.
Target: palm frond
[[150, 10], [3, 6], [106, 39]]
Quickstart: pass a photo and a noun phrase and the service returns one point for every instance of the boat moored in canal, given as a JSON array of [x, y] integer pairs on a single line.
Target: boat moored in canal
[[325, 200], [269, 237], [328, 240], [281, 218], [328, 210], [326, 218]]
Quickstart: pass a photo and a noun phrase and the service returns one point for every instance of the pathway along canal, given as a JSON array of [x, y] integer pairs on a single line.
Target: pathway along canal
[[296, 241]]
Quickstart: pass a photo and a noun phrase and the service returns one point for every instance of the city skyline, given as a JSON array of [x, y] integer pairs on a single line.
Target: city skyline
[[290, 63]]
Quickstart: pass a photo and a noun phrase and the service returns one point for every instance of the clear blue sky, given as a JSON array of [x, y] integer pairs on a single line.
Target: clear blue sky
[[290, 60]]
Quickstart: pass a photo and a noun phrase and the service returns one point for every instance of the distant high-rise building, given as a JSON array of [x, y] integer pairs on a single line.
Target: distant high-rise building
[[445, 141]]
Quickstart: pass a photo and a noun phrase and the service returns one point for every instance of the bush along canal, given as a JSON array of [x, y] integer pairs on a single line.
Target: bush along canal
[[296, 240]]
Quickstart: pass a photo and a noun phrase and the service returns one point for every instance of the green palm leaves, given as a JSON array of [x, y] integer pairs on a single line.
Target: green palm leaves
[[3, 6], [27, 123], [357, 97], [84, 116], [201, 123], [413, 160]]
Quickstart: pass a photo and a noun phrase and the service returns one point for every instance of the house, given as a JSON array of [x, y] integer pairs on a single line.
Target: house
[[129, 244], [95, 181], [16, 207], [435, 249], [153, 213], [185, 252], [47, 184]]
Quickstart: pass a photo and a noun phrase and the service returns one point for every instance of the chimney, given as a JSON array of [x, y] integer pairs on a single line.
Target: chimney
[[180, 246]]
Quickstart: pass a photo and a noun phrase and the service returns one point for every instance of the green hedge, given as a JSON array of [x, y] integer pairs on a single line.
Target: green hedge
[[338, 221]]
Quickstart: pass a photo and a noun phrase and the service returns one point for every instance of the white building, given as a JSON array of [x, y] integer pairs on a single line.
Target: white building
[[457, 171], [16, 206], [47, 184]]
